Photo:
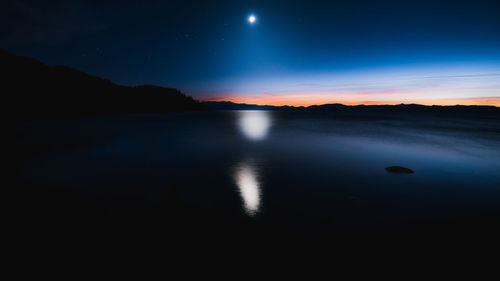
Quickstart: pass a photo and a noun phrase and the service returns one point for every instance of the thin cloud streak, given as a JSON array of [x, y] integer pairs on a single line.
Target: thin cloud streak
[[433, 85]]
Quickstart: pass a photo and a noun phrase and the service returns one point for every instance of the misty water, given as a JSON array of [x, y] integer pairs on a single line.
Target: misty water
[[287, 169]]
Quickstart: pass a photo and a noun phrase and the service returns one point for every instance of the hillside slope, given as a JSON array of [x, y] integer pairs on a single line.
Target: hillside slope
[[34, 90]]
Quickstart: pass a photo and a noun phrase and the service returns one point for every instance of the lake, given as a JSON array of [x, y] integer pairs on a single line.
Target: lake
[[288, 170]]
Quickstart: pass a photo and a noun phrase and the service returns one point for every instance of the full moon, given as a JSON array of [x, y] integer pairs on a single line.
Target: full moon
[[252, 19]]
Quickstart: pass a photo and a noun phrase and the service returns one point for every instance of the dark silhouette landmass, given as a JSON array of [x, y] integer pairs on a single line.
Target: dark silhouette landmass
[[458, 110], [227, 105], [32, 89]]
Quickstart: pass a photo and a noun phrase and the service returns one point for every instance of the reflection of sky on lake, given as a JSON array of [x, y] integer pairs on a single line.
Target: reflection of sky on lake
[[309, 164], [246, 177], [254, 124]]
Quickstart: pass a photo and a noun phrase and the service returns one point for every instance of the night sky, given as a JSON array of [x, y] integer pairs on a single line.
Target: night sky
[[296, 52]]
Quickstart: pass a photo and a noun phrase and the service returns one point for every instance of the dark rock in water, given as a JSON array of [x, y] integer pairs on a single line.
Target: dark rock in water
[[399, 170]]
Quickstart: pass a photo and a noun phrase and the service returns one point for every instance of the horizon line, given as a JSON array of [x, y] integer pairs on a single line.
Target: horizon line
[[366, 103]]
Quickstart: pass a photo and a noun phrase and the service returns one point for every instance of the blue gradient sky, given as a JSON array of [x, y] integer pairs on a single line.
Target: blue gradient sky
[[298, 52]]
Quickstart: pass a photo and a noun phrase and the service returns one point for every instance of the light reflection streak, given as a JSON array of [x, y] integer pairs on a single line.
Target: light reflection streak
[[254, 124], [246, 177]]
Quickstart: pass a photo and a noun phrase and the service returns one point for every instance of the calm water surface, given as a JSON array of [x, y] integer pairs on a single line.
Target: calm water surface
[[290, 169]]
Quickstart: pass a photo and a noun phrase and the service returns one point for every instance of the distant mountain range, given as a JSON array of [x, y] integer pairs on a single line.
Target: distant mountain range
[[31, 89], [461, 110]]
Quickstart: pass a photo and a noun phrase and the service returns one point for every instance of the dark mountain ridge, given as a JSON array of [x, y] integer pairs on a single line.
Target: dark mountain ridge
[[400, 109], [35, 90]]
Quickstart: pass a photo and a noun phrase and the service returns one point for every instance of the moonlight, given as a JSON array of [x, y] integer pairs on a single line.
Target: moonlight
[[252, 19]]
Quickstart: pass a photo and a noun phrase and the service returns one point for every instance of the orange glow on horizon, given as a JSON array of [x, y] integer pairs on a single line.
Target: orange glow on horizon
[[308, 100]]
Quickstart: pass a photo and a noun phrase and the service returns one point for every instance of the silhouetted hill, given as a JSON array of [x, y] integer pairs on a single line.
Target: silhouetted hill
[[455, 110], [227, 105], [33, 90]]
